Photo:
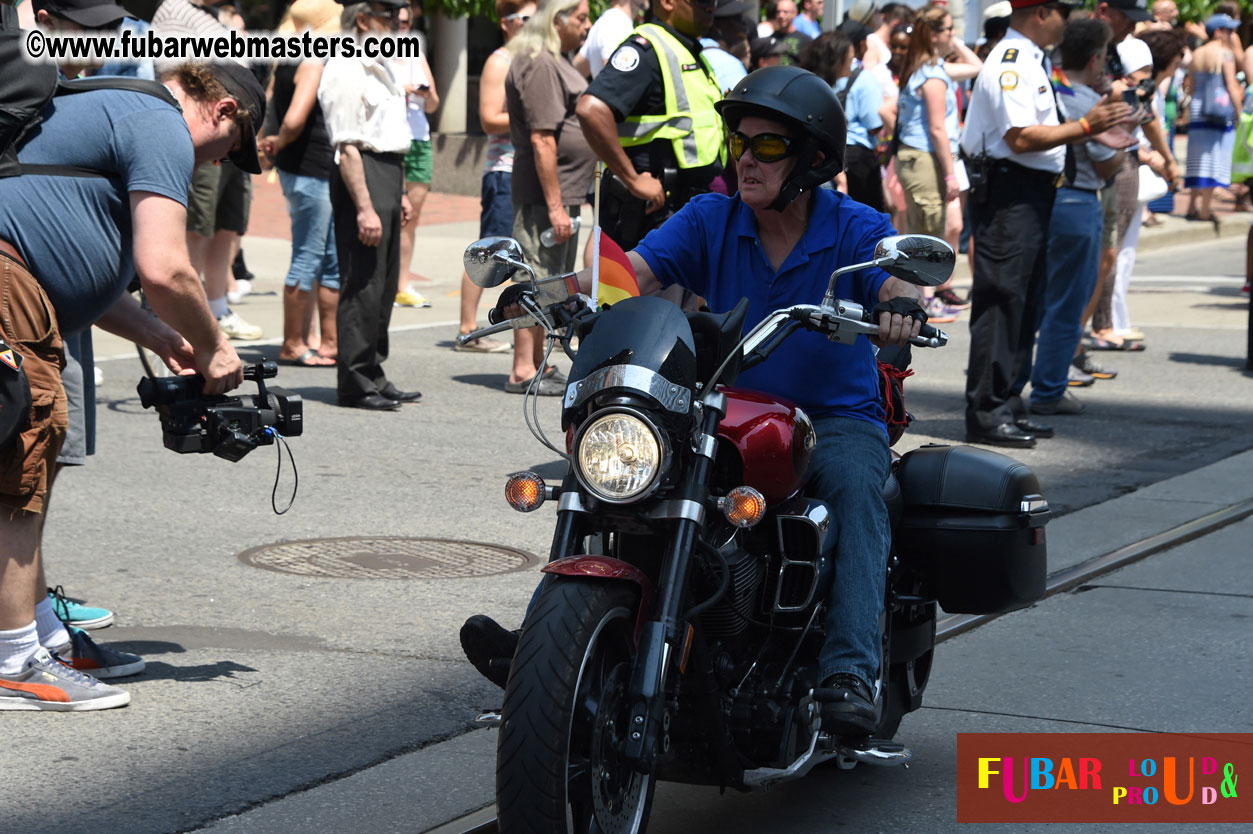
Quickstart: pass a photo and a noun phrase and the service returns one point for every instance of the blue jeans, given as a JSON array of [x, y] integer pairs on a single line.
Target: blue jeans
[[1072, 264], [849, 466], [313, 255], [496, 198]]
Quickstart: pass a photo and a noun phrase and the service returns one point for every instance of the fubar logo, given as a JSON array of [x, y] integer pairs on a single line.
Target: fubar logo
[[1103, 777]]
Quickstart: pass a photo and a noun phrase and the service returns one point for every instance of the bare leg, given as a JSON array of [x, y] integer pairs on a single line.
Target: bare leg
[[217, 266], [328, 304], [20, 571], [471, 294], [527, 353], [295, 303], [417, 192]]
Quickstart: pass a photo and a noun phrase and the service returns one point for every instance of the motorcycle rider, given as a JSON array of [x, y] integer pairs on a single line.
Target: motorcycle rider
[[776, 242]]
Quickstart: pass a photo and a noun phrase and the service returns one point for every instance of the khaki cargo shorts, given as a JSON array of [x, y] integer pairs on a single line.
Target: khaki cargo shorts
[[29, 325]]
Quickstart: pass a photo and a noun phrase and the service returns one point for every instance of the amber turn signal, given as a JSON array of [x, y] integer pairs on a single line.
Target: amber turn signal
[[525, 491], [743, 506]]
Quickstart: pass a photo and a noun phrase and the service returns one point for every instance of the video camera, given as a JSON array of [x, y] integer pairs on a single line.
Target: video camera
[[229, 427]]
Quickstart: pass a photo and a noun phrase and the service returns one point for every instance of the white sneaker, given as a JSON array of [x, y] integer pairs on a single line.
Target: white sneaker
[[48, 684], [236, 328], [242, 288]]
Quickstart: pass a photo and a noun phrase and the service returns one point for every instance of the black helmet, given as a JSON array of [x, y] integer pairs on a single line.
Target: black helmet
[[803, 100]]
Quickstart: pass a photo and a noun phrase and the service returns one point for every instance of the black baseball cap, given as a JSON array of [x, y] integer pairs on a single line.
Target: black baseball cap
[[854, 30], [1135, 10], [90, 14], [244, 87], [732, 8]]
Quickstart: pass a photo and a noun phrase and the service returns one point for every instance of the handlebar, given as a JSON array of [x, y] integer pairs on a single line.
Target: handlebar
[[848, 319]]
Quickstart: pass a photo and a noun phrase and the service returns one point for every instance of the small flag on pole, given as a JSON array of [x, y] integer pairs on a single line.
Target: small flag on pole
[[617, 276]]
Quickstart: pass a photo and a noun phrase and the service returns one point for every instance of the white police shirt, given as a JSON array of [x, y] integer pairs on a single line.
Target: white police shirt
[[1012, 90]]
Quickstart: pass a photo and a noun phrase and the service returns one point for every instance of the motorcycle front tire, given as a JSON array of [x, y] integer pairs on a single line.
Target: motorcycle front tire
[[559, 768]]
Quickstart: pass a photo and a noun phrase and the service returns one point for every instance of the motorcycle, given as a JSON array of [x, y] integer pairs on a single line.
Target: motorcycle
[[677, 632]]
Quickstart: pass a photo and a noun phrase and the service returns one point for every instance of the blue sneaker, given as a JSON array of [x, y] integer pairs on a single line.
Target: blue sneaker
[[76, 614], [82, 653]]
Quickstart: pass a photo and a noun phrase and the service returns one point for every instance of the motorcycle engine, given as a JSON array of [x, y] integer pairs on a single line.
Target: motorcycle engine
[[731, 615]]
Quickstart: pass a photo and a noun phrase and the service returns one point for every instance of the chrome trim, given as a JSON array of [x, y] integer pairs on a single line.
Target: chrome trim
[[672, 397], [764, 778], [706, 446], [491, 718], [806, 511], [876, 751], [676, 509], [1033, 504], [716, 400], [571, 501], [813, 511]]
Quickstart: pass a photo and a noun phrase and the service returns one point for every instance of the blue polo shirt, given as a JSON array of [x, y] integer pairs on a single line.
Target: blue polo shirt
[[710, 247]]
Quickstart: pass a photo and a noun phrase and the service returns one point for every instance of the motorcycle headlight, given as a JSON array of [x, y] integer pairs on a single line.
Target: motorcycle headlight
[[619, 457]]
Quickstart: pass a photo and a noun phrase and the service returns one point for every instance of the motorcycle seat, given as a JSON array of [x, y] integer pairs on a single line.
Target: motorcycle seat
[[715, 336], [894, 500]]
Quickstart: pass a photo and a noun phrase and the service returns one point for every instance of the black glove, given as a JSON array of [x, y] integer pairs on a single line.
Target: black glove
[[904, 305], [508, 298]]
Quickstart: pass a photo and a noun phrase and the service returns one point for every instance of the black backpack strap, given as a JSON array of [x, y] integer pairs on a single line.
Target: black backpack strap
[[134, 85], [85, 85]]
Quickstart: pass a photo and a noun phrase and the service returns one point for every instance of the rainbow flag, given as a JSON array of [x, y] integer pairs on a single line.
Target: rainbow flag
[[617, 276], [1061, 84]]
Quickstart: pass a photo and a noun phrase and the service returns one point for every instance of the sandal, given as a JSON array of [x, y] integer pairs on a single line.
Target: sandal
[[1097, 343], [482, 345], [309, 359]]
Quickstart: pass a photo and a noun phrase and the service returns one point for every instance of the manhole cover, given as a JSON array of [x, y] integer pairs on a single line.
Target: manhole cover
[[387, 558]]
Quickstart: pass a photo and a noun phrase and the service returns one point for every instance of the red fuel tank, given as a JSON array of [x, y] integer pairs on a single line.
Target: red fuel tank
[[775, 440]]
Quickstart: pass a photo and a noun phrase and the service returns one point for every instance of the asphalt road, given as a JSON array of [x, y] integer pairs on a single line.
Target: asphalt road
[[261, 684]]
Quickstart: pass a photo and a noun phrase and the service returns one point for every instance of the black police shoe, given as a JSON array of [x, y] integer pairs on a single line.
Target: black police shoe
[[847, 705], [489, 646], [1006, 434], [395, 394]]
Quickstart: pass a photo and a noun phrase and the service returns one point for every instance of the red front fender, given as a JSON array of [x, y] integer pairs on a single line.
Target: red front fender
[[606, 567]]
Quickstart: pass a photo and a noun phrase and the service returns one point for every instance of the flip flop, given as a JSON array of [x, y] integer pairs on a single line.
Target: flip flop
[[308, 359], [1096, 343]]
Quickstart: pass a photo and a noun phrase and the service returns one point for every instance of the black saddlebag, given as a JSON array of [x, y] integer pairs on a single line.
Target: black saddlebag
[[973, 527]]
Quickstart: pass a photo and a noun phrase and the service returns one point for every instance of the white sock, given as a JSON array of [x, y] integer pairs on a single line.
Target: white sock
[[52, 631], [217, 306], [17, 647]]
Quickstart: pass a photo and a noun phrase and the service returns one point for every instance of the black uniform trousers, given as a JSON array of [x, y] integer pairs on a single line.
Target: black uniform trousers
[[368, 275], [1010, 231]]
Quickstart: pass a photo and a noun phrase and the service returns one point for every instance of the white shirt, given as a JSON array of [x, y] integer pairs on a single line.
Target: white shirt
[[609, 30], [882, 52], [363, 104], [409, 73], [1012, 90]]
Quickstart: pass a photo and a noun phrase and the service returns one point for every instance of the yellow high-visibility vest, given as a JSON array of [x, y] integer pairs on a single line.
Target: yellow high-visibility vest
[[690, 121]]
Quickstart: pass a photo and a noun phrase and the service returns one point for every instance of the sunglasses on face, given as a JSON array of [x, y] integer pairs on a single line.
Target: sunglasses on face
[[518, 16], [766, 147], [387, 14]]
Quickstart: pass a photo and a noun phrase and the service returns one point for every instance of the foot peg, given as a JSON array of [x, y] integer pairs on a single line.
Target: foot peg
[[491, 718], [872, 751]]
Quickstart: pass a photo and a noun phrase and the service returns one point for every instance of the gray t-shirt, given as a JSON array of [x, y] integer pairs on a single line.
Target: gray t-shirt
[[1074, 106], [75, 232]]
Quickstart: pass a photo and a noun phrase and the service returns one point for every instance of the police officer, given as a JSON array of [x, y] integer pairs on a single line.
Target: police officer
[[1016, 147], [650, 116]]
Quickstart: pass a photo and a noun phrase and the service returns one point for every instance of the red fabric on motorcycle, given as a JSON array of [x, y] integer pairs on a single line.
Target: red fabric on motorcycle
[[892, 389]]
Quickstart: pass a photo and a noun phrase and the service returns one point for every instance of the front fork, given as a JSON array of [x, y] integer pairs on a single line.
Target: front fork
[[659, 634]]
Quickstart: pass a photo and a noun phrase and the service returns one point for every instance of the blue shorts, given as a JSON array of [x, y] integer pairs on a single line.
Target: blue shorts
[[497, 217]]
